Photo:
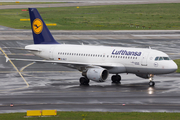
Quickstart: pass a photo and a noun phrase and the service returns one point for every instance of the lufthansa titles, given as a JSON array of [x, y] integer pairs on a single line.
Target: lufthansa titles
[[125, 52]]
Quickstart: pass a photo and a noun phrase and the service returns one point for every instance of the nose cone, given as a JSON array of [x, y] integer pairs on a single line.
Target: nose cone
[[172, 66]]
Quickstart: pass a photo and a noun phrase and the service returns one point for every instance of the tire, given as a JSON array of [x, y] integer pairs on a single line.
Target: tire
[[116, 78], [151, 83], [113, 79], [84, 81]]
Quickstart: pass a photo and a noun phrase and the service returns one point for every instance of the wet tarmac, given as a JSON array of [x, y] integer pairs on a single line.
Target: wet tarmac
[[32, 86]]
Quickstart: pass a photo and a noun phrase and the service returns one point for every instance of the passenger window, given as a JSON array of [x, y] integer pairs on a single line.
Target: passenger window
[[157, 58]]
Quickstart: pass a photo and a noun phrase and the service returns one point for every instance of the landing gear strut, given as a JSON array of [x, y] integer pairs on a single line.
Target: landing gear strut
[[116, 78], [84, 81], [151, 82]]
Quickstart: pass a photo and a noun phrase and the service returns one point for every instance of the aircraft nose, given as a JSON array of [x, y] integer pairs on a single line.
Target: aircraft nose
[[173, 66]]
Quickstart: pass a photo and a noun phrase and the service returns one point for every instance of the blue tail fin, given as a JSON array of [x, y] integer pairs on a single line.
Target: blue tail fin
[[41, 33]]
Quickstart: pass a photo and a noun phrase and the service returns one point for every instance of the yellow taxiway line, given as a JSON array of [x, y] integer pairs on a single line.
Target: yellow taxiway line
[[15, 67], [26, 66]]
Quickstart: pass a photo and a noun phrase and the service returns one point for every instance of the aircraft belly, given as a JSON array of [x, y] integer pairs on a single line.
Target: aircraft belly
[[116, 70], [147, 70]]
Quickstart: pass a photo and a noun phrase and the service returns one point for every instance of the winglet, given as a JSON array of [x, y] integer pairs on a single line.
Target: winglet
[[41, 33]]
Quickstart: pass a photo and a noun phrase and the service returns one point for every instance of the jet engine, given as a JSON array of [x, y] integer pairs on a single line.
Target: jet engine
[[96, 74]]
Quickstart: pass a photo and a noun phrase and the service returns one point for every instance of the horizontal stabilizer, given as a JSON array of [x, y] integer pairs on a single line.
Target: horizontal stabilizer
[[33, 49], [16, 48], [27, 49]]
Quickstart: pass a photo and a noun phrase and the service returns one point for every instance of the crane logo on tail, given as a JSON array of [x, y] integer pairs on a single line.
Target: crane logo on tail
[[37, 26]]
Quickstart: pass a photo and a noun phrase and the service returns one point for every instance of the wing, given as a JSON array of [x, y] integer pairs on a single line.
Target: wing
[[76, 65]]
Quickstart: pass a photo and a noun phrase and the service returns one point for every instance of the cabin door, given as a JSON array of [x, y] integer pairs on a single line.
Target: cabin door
[[51, 53], [144, 59]]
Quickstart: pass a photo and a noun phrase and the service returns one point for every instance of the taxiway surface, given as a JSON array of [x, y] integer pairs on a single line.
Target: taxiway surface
[[71, 3], [52, 86]]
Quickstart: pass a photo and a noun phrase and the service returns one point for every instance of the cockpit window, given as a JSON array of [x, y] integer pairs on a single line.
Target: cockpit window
[[162, 58], [157, 58], [166, 58]]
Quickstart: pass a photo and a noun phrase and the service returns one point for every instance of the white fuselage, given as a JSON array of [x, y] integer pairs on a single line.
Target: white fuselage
[[122, 59]]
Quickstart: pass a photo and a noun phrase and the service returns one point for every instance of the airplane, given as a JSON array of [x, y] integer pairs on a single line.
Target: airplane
[[96, 62]]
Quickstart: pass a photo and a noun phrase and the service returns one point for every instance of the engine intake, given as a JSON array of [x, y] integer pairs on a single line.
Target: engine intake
[[96, 74]]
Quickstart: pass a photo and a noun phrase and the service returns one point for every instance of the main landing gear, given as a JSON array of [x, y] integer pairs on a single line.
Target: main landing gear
[[116, 78], [151, 82], [84, 81]]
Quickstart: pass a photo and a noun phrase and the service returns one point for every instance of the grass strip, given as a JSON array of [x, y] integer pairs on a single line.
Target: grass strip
[[96, 116], [177, 61], [111, 17]]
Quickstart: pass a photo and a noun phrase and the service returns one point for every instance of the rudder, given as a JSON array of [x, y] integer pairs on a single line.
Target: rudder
[[41, 33]]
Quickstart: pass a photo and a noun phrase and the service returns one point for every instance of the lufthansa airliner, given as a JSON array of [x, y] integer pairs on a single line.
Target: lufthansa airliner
[[97, 62]]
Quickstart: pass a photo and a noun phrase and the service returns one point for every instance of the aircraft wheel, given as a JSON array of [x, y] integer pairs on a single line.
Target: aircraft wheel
[[116, 78], [84, 81], [151, 83]]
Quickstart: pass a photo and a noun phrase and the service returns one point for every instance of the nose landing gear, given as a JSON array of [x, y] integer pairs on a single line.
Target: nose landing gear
[[151, 82]]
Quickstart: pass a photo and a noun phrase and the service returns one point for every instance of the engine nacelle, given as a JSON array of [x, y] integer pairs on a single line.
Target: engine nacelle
[[96, 74], [146, 76]]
